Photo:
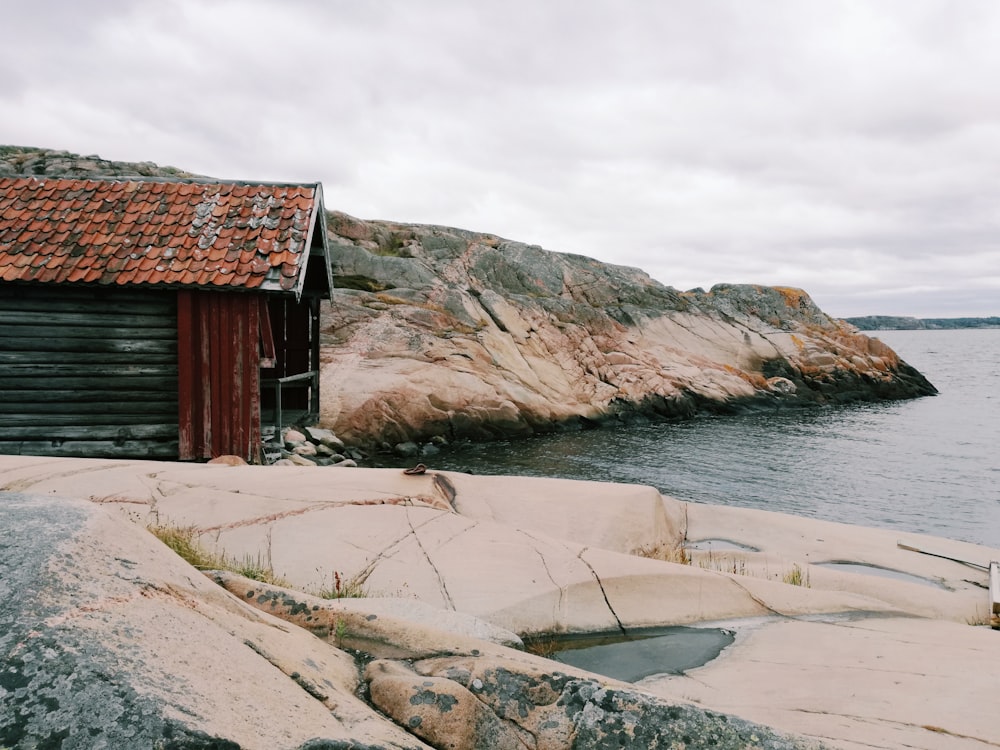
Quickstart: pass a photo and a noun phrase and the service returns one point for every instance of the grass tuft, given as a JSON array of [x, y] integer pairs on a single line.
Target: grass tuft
[[186, 542], [795, 577], [343, 588]]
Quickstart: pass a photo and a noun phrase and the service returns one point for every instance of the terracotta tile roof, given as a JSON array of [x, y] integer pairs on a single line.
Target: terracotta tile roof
[[131, 231]]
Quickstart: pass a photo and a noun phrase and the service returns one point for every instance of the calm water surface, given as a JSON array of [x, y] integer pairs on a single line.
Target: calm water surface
[[929, 465]]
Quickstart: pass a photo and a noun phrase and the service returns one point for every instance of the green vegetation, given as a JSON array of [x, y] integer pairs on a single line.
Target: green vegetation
[[343, 588], [185, 541], [795, 577], [900, 323], [360, 283], [737, 565], [396, 245]]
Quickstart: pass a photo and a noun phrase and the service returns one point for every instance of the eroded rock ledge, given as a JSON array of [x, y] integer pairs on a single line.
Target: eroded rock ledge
[[439, 332]]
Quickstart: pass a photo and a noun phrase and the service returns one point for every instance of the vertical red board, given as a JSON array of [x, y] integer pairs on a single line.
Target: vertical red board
[[218, 379]]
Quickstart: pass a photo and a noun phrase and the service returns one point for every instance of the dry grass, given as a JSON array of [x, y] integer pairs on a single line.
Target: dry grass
[[343, 588], [186, 542], [737, 565], [665, 553], [795, 577], [980, 618], [546, 646]]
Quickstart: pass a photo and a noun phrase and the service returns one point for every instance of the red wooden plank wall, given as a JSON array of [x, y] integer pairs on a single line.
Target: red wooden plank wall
[[218, 355]]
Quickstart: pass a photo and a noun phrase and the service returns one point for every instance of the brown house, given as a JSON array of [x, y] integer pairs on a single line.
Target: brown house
[[156, 318]]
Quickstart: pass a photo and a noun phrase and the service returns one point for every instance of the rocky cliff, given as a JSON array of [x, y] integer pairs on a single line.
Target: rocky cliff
[[442, 334]]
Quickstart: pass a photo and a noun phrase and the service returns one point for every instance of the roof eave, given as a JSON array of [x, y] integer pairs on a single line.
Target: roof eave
[[316, 220]]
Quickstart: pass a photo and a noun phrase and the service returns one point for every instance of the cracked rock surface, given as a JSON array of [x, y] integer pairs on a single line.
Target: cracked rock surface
[[96, 612]]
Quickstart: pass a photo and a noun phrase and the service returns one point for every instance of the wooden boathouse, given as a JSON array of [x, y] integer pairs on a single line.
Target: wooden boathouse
[[155, 318]]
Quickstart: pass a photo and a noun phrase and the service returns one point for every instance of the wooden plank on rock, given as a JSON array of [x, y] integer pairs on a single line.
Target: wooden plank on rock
[[995, 594]]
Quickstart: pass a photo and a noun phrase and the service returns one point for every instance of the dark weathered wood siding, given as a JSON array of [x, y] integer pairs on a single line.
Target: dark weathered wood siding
[[88, 372]]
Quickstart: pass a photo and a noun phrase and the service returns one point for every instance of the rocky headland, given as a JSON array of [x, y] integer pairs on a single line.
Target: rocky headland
[[440, 333]]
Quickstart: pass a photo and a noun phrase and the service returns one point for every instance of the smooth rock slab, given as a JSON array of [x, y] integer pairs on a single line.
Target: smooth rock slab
[[109, 640]]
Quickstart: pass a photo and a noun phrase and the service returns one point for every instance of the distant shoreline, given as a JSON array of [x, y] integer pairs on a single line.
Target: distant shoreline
[[900, 323]]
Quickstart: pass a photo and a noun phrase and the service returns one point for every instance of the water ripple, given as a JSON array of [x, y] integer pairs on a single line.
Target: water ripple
[[926, 465]]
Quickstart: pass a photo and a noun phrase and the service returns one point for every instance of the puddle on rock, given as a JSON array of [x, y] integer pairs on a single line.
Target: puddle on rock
[[874, 570], [719, 544], [669, 650]]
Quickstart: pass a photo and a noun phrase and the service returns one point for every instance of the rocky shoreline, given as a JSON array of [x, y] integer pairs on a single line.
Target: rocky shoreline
[[109, 637], [437, 335], [444, 334]]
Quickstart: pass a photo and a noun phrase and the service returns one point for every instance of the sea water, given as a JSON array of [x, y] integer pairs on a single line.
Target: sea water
[[928, 465]]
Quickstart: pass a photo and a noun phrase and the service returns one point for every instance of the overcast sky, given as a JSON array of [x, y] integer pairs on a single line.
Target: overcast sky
[[848, 148]]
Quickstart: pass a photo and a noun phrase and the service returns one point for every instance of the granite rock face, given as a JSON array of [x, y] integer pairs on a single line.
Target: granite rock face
[[109, 640], [444, 333]]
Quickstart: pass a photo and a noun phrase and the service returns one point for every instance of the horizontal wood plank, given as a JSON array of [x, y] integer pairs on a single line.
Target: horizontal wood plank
[[108, 359], [160, 405], [98, 302], [88, 371], [93, 345], [86, 318], [167, 449], [113, 432], [66, 369], [9, 421], [38, 332], [70, 397], [112, 381]]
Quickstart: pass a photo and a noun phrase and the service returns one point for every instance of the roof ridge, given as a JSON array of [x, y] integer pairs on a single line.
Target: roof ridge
[[156, 178]]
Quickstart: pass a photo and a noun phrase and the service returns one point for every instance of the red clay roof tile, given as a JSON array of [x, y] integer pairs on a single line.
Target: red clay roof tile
[[155, 232]]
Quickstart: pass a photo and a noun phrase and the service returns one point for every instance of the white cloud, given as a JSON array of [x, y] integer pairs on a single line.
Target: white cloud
[[847, 147]]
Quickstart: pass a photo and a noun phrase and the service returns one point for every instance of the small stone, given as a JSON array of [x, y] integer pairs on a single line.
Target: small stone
[[294, 436], [304, 449], [299, 460], [406, 449], [228, 460], [429, 450], [321, 436], [347, 462], [324, 450]]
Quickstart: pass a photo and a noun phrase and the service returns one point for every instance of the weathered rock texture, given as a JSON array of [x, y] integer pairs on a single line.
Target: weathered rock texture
[[443, 332], [109, 640], [450, 334], [106, 635]]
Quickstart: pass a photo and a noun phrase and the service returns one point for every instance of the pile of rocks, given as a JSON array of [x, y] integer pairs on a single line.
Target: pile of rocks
[[310, 446]]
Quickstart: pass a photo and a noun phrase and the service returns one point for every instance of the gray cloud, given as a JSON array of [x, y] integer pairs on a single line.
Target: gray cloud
[[846, 147]]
